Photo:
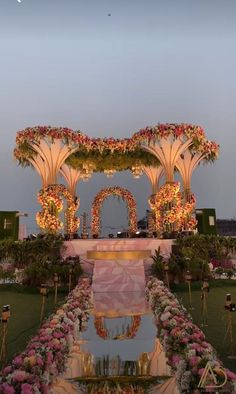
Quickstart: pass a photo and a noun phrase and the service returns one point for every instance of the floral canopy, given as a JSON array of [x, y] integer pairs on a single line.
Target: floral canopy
[[107, 153]]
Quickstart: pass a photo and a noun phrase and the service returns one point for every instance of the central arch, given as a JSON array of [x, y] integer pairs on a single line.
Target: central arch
[[97, 206]]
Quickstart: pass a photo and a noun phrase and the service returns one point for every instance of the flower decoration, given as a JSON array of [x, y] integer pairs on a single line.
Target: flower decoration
[[171, 214], [166, 130], [52, 204], [130, 333], [117, 191], [44, 358], [184, 343]]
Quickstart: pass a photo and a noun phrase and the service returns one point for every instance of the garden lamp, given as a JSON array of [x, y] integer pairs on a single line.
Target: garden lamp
[[5, 317], [188, 279], [56, 279], [166, 269], [44, 294]]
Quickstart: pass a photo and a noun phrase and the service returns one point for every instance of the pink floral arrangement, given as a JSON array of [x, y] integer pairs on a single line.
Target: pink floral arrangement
[[166, 130], [36, 133], [117, 191], [184, 343], [33, 371]]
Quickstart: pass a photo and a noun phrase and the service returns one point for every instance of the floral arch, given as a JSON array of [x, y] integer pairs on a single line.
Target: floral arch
[[97, 205], [52, 203]]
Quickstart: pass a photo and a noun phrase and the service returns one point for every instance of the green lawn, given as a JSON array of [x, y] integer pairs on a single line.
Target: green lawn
[[217, 316], [25, 314]]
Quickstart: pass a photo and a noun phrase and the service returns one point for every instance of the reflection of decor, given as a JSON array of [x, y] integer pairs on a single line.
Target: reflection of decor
[[45, 356], [98, 201], [143, 364], [118, 384], [171, 214], [52, 205], [184, 343], [130, 333]]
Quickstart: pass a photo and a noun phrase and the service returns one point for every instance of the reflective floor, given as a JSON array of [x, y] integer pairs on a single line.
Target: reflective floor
[[120, 337]]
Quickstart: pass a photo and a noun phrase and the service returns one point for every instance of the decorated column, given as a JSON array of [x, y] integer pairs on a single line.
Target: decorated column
[[46, 149], [168, 142], [154, 175], [190, 159]]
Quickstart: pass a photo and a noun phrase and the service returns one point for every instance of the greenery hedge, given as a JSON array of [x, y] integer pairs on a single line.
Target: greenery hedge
[[194, 253], [40, 259]]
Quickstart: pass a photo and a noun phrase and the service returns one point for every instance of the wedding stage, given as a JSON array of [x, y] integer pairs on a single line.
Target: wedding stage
[[84, 247], [117, 265]]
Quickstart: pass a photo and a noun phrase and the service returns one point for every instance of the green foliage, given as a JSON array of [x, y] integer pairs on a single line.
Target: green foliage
[[6, 274], [229, 272], [22, 253], [206, 247], [157, 268], [40, 258], [106, 160], [43, 270], [219, 270]]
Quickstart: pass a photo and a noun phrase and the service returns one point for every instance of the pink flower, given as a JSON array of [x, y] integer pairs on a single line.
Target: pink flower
[[49, 357], [57, 335], [7, 389], [176, 359], [18, 361], [165, 316], [7, 370], [231, 375], [26, 389], [19, 376], [39, 360], [31, 353], [194, 360], [201, 371]]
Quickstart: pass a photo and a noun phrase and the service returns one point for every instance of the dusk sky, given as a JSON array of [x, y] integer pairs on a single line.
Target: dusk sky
[[67, 63]]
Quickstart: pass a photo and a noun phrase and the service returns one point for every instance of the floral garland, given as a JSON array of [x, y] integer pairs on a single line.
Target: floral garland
[[25, 139], [35, 134], [209, 149], [170, 212], [131, 332], [184, 343], [90, 146], [52, 205], [166, 130], [33, 371], [97, 204]]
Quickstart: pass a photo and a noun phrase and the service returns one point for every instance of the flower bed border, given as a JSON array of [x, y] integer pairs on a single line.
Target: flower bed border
[[184, 343], [33, 371]]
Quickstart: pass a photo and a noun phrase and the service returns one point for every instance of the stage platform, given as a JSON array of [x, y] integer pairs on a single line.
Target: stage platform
[[143, 247], [117, 265]]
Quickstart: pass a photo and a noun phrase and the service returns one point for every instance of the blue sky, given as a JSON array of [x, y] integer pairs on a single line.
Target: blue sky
[[67, 63]]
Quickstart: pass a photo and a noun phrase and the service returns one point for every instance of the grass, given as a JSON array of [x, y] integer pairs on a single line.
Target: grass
[[217, 316], [25, 306]]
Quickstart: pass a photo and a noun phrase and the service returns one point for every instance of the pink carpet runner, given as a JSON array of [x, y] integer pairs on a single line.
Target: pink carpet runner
[[118, 276]]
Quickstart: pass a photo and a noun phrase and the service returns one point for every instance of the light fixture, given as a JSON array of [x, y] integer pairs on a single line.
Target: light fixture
[[109, 173], [137, 170]]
